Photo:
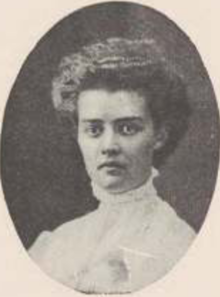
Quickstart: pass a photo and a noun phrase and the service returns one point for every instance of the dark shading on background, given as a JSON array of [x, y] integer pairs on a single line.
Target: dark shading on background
[[43, 177]]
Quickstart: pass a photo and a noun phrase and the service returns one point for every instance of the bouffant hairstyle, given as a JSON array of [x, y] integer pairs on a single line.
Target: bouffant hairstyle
[[131, 65]]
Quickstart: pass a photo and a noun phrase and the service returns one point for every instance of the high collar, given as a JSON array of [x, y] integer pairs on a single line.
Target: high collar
[[144, 192]]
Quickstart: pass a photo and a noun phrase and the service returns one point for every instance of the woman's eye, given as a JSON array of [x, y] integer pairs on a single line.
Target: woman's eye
[[129, 129], [93, 131]]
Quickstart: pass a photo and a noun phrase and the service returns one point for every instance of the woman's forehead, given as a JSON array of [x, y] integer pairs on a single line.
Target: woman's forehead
[[103, 104]]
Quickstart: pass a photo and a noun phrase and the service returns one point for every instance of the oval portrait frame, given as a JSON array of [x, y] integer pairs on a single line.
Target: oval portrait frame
[[61, 135]]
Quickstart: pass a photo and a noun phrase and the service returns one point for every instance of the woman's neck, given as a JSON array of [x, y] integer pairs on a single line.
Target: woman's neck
[[143, 192]]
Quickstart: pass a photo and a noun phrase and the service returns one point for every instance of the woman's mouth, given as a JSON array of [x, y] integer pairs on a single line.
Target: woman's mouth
[[112, 167]]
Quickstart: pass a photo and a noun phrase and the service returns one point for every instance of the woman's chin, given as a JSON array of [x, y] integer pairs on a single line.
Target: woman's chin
[[113, 184]]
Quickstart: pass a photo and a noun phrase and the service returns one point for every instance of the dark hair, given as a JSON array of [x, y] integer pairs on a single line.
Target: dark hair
[[131, 65]]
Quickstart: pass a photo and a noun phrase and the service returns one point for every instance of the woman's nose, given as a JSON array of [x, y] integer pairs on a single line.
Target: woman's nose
[[110, 144]]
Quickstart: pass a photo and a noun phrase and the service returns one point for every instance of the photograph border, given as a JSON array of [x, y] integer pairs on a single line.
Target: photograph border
[[23, 25]]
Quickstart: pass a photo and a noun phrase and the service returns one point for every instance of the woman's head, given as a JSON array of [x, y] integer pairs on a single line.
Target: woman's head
[[116, 137], [107, 80]]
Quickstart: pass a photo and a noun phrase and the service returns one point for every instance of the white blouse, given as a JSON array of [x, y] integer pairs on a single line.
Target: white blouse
[[130, 241]]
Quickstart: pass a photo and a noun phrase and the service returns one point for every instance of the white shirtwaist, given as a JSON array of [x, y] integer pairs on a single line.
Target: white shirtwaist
[[130, 241]]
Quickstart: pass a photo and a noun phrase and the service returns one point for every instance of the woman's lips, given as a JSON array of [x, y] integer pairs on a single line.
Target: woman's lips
[[111, 165], [113, 168]]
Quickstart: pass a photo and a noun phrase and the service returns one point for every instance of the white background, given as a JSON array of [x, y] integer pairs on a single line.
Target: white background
[[22, 25]]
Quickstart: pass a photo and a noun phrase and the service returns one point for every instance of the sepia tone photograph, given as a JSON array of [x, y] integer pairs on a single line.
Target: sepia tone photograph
[[110, 148]]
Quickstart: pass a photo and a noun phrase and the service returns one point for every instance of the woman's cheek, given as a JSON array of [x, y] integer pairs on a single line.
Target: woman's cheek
[[141, 145], [92, 156]]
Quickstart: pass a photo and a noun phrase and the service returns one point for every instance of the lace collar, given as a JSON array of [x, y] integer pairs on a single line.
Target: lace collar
[[142, 193]]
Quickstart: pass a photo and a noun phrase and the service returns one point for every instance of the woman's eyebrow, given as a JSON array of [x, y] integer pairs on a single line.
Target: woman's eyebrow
[[117, 120], [92, 121], [129, 119]]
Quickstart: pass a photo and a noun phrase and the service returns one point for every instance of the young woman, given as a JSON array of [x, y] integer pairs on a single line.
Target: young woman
[[128, 109]]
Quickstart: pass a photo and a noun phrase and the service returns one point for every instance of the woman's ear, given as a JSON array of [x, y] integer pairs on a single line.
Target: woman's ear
[[160, 138]]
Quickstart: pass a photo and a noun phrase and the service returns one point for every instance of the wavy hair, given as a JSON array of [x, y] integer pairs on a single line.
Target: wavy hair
[[131, 65]]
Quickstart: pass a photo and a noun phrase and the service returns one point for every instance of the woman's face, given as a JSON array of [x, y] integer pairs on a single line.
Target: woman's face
[[116, 137]]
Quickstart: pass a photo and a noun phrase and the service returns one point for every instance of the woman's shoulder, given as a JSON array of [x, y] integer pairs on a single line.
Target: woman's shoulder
[[167, 237], [58, 239], [39, 245], [174, 230]]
